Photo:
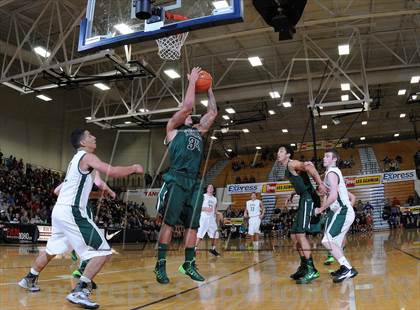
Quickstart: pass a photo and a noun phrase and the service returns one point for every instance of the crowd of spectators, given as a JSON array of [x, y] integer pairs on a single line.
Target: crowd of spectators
[[26, 192], [27, 197], [399, 215], [117, 214], [392, 164]]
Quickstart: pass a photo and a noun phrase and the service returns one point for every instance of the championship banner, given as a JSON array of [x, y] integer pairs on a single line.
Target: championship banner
[[309, 146], [399, 176], [276, 188]]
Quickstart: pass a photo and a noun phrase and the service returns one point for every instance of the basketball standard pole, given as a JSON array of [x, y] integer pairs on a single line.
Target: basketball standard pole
[[311, 115]]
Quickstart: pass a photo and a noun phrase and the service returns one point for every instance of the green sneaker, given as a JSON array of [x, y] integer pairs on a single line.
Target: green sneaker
[[76, 273], [330, 260], [300, 272], [310, 275], [160, 271], [190, 269]]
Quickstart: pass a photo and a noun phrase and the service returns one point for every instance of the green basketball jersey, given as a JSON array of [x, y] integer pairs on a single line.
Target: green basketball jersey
[[300, 182], [186, 151]]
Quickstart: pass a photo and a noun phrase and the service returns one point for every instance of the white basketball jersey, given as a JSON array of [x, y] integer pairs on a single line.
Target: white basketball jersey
[[77, 184], [209, 202], [343, 196], [253, 207]]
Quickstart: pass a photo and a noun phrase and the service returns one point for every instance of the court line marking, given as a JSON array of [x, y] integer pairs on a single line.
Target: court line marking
[[204, 284], [407, 253], [102, 273]]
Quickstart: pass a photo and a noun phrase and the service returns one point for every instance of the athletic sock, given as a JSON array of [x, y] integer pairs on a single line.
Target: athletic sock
[[343, 261], [255, 245], [85, 279], [189, 254], [162, 250], [32, 274], [310, 262], [302, 260]]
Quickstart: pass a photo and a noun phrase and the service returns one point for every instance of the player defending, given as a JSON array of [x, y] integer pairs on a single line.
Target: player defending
[[71, 226], [255, 212], [208, 222], [340, 216], [298, 174], [180, 198]]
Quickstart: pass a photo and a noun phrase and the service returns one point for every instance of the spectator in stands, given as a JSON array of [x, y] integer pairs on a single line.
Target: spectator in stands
[[24, 218], [368, 208], [252, 179], [395, 202], [238, 180], [411, 201], [148, 179], [245, 180], [4, 216], [228, 212], [359, 206], [395, 213]]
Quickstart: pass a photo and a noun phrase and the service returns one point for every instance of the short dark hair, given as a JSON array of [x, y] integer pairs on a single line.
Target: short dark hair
[[334, 152], [77, 136], [289, 149], [195, 119]]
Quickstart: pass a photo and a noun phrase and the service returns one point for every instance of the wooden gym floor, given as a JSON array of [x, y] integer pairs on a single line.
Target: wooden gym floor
[[388, 264]]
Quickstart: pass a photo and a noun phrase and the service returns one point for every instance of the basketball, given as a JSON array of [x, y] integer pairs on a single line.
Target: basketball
[[204, 82]]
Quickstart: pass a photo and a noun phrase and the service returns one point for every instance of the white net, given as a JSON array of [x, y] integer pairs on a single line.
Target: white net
[[170, 47]]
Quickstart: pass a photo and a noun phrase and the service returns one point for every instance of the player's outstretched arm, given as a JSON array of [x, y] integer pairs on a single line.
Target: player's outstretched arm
[[187, 106], [208, 119], [92, 161], [101, 184]]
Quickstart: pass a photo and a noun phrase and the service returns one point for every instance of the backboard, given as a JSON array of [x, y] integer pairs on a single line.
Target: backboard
[[112, 23]]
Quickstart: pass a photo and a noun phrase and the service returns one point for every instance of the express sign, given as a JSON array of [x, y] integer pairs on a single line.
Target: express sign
[[399, 176]]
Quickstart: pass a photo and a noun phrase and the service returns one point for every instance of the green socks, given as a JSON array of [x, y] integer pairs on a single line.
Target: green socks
[[189, 254], [162, 251]]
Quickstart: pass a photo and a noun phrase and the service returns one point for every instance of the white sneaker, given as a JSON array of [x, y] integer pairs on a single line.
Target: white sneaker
[[82, 299], [30, 284], [80, 296]]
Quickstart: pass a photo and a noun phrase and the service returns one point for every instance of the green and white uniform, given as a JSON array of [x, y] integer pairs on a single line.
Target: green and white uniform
[[181, 197], [340, 215], [72, 226], [308, 201]]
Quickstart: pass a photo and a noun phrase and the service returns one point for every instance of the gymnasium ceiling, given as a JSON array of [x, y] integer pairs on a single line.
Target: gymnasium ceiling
[[384, 37]]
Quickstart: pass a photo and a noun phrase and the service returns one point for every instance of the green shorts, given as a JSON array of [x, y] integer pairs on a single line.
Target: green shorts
[[302, 220], [180, 201]]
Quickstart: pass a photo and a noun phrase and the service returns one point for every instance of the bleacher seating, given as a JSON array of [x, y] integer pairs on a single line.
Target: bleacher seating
[[406, 149]]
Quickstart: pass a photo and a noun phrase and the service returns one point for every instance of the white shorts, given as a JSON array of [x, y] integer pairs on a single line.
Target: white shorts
[[254, 225], [337, 225], [72, 230], [207, 225]]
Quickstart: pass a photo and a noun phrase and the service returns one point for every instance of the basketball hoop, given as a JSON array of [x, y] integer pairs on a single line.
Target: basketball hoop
[[170, 46]]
